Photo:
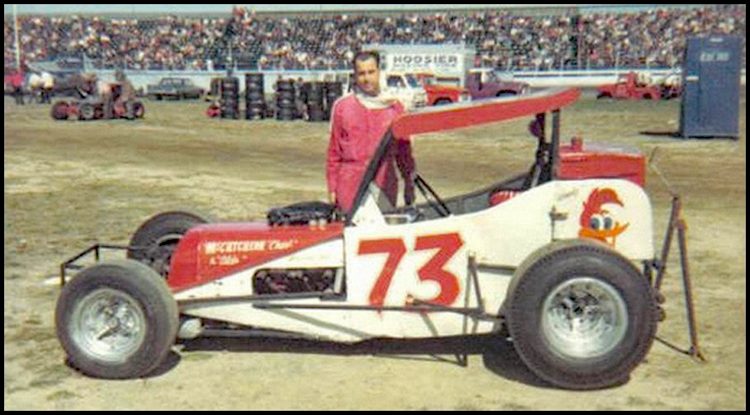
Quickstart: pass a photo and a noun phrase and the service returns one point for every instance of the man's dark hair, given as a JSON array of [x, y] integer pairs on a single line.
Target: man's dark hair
[[364, 55]]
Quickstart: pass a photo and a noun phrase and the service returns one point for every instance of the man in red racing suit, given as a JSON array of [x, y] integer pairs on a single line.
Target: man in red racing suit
[[358, 122]]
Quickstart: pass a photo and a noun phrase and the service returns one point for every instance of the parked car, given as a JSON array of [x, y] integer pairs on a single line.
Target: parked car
[[174, 88], [214, 91]]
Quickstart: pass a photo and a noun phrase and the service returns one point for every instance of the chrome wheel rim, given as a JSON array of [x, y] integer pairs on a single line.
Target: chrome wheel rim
[[108, 325], [583, 318]]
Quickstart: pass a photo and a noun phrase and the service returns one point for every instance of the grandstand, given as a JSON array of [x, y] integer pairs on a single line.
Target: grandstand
[[529, 38]]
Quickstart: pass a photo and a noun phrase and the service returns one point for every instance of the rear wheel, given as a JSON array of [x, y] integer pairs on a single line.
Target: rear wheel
[[86, 112], [156, 239], [582, 316], [116, 320], [138, 109]]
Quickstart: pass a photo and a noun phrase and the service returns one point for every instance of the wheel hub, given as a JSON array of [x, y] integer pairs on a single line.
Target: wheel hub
[[108, 325], [583, 318]]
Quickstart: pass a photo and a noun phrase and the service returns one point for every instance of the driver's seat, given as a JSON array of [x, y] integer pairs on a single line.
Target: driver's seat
[[303, 213]]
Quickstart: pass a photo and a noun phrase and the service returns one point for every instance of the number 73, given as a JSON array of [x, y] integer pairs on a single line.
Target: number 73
[[446, 244]]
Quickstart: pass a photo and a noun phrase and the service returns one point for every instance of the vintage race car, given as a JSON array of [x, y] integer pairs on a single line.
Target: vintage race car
[[559, 258], [93, 107]]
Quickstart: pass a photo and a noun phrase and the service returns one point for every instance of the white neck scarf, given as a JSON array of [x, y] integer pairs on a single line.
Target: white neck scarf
[[378, 102]]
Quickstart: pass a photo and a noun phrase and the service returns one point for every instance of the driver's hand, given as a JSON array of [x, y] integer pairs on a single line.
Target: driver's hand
[[409, 188], [409, 193]]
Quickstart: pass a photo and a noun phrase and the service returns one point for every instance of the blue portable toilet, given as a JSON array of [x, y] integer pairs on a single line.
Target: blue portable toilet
[[711, 87]]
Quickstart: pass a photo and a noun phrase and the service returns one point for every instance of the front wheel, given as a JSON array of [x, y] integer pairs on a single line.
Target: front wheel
[[116, 320], [60, 110], [582, 316]]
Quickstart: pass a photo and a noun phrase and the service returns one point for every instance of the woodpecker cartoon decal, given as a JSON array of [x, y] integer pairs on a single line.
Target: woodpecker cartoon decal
[[596, 221]]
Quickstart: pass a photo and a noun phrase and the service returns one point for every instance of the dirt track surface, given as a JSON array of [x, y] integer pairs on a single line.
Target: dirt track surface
[[70, 184]]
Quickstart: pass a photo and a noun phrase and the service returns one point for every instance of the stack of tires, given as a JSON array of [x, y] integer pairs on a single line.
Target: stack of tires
[[286, 107], [230, 97], [315, 109], [255, 103], [334, 90]]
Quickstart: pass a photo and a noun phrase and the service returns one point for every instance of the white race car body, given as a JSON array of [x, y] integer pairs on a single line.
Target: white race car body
[[389, 265]]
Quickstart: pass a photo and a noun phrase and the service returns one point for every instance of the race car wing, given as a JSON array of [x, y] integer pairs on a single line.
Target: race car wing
[[450, 117]]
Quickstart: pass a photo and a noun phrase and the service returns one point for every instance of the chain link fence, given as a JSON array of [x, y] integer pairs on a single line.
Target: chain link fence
[[551, 39]]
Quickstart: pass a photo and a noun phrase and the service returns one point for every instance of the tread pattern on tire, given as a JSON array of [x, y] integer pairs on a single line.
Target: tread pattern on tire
[[527, 281], [151, 293]]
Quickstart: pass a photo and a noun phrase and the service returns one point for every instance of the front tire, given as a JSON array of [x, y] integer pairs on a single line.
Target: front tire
[[116, 320], [582, 316], [60, 110]]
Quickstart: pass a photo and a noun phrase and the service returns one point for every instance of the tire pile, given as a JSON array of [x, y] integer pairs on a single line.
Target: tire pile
[[312, 101], [230, 97], [255, 103], [334, 90], [315, 108], [318, 98], [286, 106]]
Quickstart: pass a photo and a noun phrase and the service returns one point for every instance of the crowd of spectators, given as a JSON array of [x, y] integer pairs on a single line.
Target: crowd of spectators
[[502, 39]]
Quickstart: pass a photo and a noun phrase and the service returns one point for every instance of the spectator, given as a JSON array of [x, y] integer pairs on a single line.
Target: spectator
[[653, 37], [48, 84], [16, 83]]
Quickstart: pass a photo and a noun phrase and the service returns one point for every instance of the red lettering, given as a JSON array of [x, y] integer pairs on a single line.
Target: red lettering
[[395, 249], [447, 245]]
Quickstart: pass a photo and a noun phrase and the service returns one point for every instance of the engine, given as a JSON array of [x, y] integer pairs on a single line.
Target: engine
[[296, 280]]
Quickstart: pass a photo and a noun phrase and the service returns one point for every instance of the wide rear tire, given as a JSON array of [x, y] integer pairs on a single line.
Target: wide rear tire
[[581, 316], [156, 239], [116, 320]]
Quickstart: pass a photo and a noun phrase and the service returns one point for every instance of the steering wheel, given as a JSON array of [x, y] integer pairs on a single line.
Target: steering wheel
[[433, 200]]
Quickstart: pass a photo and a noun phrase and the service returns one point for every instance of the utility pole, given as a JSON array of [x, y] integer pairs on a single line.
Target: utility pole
[[18, 42]]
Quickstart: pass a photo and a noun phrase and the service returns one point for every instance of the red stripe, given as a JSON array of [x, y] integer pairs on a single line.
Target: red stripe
[[213, 251]]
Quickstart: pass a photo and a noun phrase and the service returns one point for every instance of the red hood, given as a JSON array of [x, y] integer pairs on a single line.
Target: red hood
[[212, 251]]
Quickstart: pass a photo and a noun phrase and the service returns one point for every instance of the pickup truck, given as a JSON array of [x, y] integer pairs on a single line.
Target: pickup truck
[[483, 83], [406, 88], [440, 94], [174, 88], [630, 86]]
